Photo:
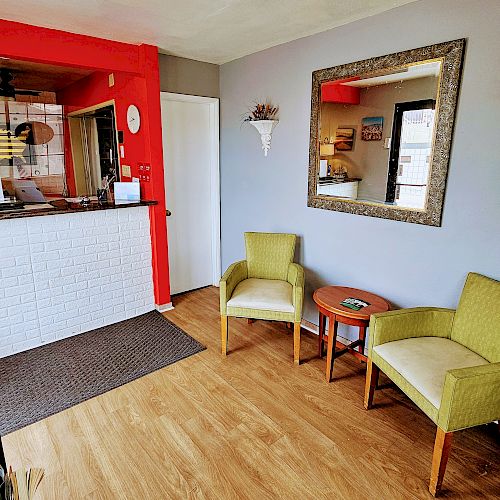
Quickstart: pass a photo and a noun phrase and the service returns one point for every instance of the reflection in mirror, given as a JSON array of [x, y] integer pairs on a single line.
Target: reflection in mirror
[[376, 135], [381, 133]]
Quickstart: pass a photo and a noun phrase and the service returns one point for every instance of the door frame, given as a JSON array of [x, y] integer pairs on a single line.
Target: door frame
[[397, 122], [75, 137], [213, 104]]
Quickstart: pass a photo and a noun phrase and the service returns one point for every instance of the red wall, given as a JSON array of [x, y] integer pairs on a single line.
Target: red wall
[[135, 69], [128, 89]]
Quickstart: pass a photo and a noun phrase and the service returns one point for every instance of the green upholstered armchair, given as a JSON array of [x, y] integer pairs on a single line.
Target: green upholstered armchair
[[447, 362], [267, 285]]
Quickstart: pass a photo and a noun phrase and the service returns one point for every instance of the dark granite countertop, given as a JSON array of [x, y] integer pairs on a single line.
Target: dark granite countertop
[[67, 207]]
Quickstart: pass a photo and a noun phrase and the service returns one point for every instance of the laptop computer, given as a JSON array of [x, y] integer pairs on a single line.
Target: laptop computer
[[27, 191]]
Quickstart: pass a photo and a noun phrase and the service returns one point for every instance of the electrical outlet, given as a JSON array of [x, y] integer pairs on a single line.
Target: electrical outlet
[[126, 171]]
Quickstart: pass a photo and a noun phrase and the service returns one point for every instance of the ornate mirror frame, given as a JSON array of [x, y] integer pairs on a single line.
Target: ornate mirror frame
[[451, 55]]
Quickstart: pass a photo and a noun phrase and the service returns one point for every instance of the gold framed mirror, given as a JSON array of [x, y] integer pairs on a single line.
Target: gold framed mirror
[[381, 132]]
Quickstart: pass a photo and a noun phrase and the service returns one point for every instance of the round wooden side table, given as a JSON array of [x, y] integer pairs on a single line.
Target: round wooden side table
[[328, 301]]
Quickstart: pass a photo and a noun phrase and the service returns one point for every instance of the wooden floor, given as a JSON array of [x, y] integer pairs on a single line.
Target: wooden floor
[[252, 425]]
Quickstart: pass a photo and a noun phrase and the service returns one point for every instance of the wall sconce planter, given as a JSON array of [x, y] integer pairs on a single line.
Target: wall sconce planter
[[265, 129], [264, 117]]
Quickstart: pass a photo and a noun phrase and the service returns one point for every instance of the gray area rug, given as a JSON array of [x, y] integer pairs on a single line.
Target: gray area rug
[[40, 382]]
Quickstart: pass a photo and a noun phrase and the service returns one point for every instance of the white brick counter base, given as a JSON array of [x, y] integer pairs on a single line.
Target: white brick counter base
[[61, 275]]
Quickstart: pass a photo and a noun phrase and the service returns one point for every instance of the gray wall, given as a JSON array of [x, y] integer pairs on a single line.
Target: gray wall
[[409, 264], [185, 76]]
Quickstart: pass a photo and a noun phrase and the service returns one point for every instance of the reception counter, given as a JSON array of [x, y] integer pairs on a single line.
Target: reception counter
[[63, 206], [70, 269]]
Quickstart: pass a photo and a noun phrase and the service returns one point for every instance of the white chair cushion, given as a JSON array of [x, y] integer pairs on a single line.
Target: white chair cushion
[[424, 361], [267, 295]]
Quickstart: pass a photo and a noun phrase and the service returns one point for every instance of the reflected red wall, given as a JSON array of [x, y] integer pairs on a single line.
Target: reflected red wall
[[336, 92], [135, 69]]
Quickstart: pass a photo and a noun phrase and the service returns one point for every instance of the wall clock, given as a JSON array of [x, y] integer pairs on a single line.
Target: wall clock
[[133, 119]]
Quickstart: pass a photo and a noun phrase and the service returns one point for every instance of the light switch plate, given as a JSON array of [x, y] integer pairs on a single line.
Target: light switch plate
[[387, 142], [126, 172], [111, 79]]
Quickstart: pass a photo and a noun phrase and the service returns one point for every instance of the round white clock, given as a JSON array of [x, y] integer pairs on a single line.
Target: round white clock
[[133, 119]]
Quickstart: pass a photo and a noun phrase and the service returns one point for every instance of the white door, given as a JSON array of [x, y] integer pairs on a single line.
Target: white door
[[190, 148]]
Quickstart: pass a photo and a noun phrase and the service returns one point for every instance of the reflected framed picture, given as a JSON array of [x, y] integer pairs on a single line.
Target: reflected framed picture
[[344, 139], [371, 128]]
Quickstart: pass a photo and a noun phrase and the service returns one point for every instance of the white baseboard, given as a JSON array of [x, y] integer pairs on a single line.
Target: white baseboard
[[164, 307], [311, 327]]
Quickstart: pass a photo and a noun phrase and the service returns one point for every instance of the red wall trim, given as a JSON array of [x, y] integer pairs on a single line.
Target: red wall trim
[[34, 43], [148, 56]]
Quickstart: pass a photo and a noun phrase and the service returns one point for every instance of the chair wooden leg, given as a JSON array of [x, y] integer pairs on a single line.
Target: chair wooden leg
[[296, 342], [224, 334], [442, 447], [362, 336], [250, 321], [372, 373]]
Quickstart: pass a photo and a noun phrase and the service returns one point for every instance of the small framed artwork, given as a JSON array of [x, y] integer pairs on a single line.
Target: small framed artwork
[[371, 128], [344, 139]]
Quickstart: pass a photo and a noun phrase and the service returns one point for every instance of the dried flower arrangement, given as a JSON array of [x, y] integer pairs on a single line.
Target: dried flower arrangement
[[20, 484], [262, 111]]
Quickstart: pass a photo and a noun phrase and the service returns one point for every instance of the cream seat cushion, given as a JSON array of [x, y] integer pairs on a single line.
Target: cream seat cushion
[[266, 295], [424, 361]]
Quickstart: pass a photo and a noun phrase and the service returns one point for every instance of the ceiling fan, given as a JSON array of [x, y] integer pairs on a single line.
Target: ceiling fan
[[7, 90]]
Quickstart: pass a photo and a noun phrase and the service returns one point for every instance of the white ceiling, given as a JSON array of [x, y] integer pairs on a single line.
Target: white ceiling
[[215, 31]]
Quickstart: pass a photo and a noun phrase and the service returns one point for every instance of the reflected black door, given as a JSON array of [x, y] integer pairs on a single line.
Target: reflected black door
[[411, 151]]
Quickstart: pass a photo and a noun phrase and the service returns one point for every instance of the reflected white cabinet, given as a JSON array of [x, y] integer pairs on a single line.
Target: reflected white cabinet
[[340, 189]]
